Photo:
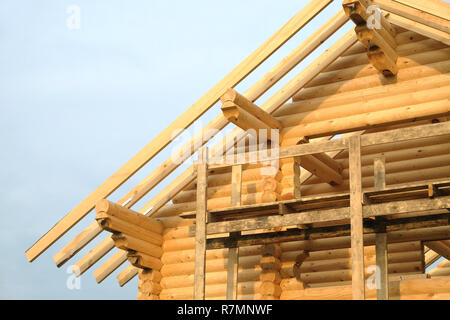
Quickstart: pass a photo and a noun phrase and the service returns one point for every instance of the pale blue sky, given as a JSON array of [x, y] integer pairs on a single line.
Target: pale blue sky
[[75, 105]]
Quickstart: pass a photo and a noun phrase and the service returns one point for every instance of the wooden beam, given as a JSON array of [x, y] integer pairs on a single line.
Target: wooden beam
[[435, 7], [356, 218], [232, 274], [382, 265], [419, 28], [232, 97], [336, 237], [392, 136], [321, 170], [127, 274], [200, 223], [413, 14], [164, 138], [143, 261], [440, 248], [431, 257], [319, 216]]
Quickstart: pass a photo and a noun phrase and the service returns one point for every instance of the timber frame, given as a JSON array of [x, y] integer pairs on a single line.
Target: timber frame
[[370, 213], [350, 124]]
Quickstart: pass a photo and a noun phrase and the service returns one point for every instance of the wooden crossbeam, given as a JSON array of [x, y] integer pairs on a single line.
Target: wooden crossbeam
[[328, 215], [339, 237], [235, 103]]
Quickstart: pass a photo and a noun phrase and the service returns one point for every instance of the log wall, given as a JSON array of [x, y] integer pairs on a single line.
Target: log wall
[[341, 99]]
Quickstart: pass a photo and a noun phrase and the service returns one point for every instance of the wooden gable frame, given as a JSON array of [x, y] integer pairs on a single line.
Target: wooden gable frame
[[406, 14]]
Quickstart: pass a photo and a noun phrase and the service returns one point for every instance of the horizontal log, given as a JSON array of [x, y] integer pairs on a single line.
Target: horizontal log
[[409, 165], [374, 210], [115, 225], [244, 120], [397, 289], [340, 256], [215, 265], [367, 120], [406, 49], [174, 257], [217, 290], [126, 242], [242, 102], [143, 261], [360, 107], [113, 209], [340, 269], [393, 179], [219, 277], [432, 69]]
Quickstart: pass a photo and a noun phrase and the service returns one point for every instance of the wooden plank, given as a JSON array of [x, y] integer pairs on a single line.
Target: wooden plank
[[200, 225], [232, 273], [414, 14], [381, 249], [126, 275], [419, 28], [437, 8], [318, 216], [392, 136], [185, 120], [338, 237], [399, 207], [356, 218]]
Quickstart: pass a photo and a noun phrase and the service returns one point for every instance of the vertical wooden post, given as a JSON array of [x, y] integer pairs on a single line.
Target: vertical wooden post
[[356, 218], [297, 174], [200, 226], [381, 236], [382, 266], [233, 253], [232, 275]]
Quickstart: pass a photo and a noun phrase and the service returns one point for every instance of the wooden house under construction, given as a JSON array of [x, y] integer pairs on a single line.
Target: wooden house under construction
[[336, 187]]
